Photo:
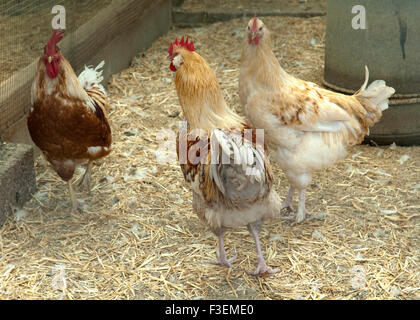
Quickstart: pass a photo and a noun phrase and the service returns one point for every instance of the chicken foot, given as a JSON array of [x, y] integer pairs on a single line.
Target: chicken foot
[[302, 213], [222, 260], [262, 268]]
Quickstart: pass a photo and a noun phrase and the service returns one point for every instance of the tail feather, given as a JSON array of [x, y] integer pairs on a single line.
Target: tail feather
[[91, 78], [376, 95], [377, 84], [366, 79], [373, 99]]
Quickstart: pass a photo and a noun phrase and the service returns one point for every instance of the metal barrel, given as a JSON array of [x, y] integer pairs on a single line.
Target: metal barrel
[[385, 36]]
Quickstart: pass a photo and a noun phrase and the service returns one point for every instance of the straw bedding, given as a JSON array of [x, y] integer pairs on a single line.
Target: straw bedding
[[137, 237]]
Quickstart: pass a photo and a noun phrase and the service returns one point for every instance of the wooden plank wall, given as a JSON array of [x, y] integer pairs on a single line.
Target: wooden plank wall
[[115, 34]]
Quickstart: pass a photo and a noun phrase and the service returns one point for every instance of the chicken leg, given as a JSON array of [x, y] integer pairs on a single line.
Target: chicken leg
[[74, 202], [221, 259], [300, 182], [287, 204], [302, 213], [86, 179], [262, 268]]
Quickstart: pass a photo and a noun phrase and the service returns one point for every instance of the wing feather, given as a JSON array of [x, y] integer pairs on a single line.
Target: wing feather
[[305, 109], [244, 179]]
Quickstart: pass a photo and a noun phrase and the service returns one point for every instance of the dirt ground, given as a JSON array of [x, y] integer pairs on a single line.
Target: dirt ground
[[137, 237]]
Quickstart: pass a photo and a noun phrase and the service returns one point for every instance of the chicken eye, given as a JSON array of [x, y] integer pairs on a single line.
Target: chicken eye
[[260, 28], [249, 28]]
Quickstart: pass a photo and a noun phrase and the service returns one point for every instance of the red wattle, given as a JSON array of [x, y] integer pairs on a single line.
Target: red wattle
[[256, 40], [51, 72], [172, 67]]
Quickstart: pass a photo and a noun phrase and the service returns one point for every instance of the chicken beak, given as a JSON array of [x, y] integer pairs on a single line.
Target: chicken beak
[[50, 59]]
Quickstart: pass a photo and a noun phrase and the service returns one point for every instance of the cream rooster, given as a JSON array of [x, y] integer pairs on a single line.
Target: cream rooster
[[309, 127], [221, 156]]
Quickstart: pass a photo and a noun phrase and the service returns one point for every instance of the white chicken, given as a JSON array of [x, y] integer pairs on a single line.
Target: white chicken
[[309, 127]]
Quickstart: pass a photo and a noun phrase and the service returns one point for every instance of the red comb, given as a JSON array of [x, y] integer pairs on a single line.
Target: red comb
[[183, 43], [55, 38], [254, 25]]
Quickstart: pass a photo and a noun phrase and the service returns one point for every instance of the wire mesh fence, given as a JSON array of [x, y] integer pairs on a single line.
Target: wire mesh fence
[[25, 27]]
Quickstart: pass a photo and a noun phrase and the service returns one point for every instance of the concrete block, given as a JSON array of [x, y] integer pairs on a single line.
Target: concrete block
[[17, 177]]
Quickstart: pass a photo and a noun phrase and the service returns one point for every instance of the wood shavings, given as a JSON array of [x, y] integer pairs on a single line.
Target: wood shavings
[[59, 282], [20, 214], [387, 211], [317, 235], [403, 158], [136, 174]]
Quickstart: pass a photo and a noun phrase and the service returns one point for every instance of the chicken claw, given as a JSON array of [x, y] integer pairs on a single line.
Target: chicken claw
[[263, 269], [221, 257], [302, 214], [222, 261]]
